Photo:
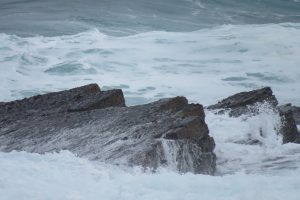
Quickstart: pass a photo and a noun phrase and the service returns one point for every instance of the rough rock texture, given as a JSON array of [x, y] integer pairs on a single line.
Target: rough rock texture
[[288, 129], [294, 109], [296, 114], [84, 98], [246, 103], [98, 126], [290, 120]]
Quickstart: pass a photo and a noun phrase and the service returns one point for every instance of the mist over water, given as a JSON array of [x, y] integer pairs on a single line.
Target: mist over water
[[204, 50]]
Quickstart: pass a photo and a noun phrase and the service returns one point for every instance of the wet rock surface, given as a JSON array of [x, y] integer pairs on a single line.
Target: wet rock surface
[[247, 103], [290, 119], [288, 128], [97, 125], [294, 109]]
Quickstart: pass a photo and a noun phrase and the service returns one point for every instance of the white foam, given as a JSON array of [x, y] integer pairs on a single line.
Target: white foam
[[64, 176], [172, 149], [252, 144], [204, 65]]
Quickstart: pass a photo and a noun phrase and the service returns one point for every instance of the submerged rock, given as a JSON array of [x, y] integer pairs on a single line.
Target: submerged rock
[[97, 125], [247, 103]]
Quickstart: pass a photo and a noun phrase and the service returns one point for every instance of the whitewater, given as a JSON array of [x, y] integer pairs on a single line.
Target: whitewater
[[204, 65], [204, 50], [65, 176]]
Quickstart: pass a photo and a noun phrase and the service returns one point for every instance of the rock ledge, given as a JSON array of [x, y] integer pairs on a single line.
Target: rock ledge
[[97, 125]]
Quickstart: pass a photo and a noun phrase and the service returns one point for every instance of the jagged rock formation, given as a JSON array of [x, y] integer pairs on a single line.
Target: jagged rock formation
[[97, 125], [246, 103], [291, 116], [294, 110]]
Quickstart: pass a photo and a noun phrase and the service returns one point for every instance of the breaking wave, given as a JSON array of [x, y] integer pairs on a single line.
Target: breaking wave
[[67, 177], [203, 65]]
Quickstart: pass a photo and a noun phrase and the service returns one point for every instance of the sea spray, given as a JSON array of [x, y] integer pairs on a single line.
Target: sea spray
[[251, 143]]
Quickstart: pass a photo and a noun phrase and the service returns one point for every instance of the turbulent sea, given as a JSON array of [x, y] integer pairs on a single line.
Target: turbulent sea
[[202, 49]]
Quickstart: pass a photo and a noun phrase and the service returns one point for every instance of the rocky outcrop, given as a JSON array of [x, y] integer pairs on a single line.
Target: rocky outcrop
[[84, 98], [97, 125], [290, 119], [288, 127], [296, 114], [246, 103], [294, 110]]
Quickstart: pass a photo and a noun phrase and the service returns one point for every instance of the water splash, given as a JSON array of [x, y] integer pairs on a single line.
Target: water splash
[[251, 143]]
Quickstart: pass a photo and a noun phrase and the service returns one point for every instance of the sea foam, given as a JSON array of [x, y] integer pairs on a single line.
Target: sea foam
[[251, 143], [67, 177], [204, 65]]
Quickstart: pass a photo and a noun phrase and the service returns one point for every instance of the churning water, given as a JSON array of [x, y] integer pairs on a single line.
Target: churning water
[[204, 50]]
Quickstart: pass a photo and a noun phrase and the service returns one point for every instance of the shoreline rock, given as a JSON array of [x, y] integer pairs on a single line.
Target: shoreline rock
[[246, 103], [291, 118], [294, 109], [97, 125]]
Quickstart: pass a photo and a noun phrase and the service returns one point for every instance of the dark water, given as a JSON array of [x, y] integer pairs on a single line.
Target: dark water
[[125, 17]]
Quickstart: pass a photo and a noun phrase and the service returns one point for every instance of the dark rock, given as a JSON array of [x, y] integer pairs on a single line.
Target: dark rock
[[296, 114], [244, 102], [297, 140], [83, 98], [111, 98], [289, 128], [294, 109], [98, 126], [188, 128]]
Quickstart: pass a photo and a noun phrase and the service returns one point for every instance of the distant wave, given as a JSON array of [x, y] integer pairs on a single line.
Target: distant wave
[[127, 17], [225, 59]]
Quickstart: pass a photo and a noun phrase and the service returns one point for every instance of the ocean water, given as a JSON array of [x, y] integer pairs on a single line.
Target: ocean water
[[204, 50], [63, 176]]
